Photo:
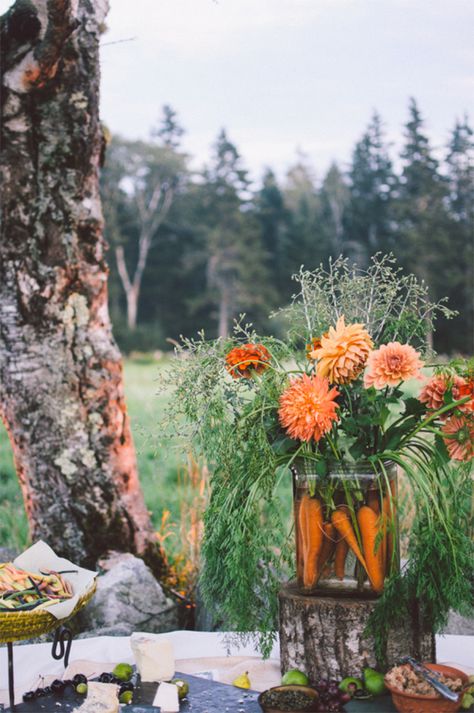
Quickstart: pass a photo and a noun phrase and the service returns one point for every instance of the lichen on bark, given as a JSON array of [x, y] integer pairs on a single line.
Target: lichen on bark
[[61, 387]]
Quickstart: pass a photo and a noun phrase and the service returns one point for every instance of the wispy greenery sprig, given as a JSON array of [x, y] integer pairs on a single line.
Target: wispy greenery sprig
[[392, 305]]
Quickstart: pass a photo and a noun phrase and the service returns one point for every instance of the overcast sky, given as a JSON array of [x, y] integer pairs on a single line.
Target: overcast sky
[[286, 74]]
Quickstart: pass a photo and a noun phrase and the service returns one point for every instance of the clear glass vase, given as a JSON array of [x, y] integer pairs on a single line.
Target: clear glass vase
[[346, 528]]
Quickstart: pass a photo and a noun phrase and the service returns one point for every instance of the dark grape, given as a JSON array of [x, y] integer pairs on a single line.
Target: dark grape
[[57, 685], [68, 682], [79, 678], [333, 691], [322, 685], [126, 687], [344, 698], [39, 692], [105, 677], [47, 690], [29, 696]]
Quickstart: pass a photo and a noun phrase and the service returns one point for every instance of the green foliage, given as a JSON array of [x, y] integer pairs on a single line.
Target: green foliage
[[225, 421], [393, 306], [233, 425], [438, 574]]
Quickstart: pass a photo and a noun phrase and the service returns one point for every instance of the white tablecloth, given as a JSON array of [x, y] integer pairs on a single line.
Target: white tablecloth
[[194, 651]]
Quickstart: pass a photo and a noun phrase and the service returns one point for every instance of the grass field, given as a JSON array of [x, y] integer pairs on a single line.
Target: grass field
[[158, 470]]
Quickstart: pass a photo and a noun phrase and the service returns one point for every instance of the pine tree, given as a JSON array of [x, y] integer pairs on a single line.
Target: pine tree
[[237, 273], [460, 167], [306, 241], [334, 202], [273, 217], [423, 221], [369, 219]]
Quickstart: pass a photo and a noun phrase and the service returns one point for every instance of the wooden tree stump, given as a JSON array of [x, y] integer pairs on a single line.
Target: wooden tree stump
[[323, 636]]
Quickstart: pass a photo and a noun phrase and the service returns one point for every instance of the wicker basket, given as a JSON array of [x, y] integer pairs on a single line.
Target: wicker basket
[[15, 626]]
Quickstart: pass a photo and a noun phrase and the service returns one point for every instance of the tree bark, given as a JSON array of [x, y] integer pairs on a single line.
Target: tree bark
[[61, 387], [324, 636]]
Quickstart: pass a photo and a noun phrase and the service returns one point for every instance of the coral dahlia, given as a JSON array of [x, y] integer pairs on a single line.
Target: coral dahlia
[[308, 407], [241, 361], [343, 352], [466, 389], [459, 431], [432, 394], [392, 363]]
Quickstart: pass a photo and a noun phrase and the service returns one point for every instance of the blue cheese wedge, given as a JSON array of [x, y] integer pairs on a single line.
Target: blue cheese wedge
[[101, 698]]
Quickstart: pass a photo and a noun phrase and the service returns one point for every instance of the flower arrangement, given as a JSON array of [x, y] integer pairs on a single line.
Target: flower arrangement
[[351, 382]]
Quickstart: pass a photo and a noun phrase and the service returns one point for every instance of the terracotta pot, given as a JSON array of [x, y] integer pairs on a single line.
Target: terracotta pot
[[311, 692], [413, 703]]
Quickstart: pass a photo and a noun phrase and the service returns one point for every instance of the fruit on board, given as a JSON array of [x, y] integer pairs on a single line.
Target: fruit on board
[[242, 681], [295, 678], [126, 697], [374, 682], [350, 685], [123, 671], [182, 686], [81, 688]]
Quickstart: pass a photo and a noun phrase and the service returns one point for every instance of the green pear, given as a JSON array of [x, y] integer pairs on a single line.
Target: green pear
[[350, 685], [374, 682], [295, 678]]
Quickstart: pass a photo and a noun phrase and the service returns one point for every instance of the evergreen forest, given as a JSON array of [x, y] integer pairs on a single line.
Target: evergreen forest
[[192, 250]]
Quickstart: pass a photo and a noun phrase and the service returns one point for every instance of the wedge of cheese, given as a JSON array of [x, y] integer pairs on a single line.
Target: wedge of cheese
[[101, 698], [167, 698], [154, 656]]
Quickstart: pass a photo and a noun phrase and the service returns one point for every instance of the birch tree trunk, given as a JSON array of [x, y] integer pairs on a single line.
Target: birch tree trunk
[[61, 388]]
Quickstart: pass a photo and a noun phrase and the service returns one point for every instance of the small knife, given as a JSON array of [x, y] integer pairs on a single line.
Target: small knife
[[431, 677]]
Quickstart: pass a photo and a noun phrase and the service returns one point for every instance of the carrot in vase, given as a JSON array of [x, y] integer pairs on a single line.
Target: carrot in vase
[[311, 524], [342, 549], [389, 517], [328, 547], [341, 521], [299, 541], [370, 526], [373, 500]]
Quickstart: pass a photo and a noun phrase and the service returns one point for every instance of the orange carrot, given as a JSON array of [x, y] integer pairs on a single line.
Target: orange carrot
[[369, 525], [299, 542], [340, 558], [329, 543], [389, 516], [311, 522], [341, 521], [373, 500]]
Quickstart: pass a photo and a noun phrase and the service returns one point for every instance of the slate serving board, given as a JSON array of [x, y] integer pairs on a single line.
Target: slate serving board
[[204, 697]]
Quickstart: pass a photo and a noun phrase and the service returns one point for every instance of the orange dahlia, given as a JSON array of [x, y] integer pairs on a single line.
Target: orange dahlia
[[343, 352], [432, 394], [466, 389], [392, 363], [315, 344], [459, 432], [308, 407], [242, 361]]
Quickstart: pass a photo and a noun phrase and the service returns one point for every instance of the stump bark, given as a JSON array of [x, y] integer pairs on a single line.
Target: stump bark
[[324, 636]]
